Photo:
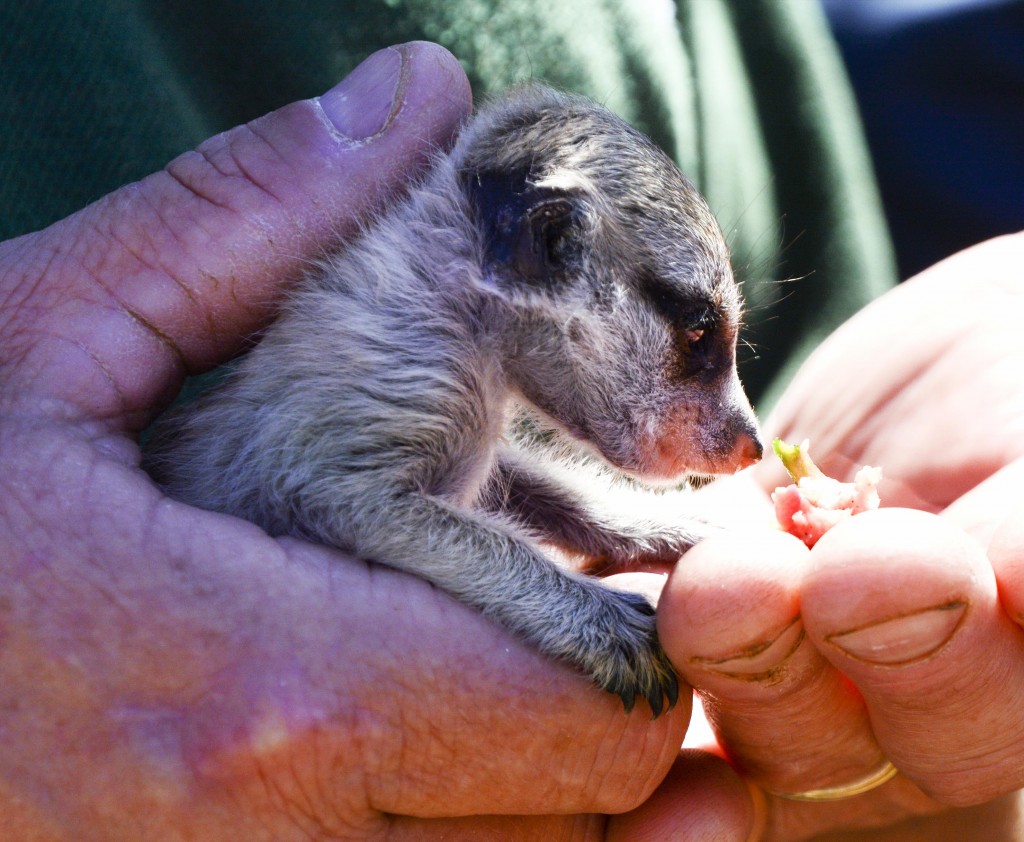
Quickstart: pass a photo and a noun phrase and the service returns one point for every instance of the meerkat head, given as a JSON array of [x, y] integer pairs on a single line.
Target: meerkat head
[[624, 311]]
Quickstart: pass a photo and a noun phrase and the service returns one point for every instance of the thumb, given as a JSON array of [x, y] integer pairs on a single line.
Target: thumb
[[166, 276]]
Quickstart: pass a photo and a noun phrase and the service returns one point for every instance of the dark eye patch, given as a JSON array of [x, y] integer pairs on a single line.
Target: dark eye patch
[[686, 313]]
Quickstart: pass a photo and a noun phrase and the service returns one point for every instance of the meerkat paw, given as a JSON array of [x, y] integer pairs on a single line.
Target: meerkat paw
[[644, 550], [662, 548], [624, 656]]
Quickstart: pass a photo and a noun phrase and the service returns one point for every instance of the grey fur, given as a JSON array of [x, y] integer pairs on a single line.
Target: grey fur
[[555, 261]]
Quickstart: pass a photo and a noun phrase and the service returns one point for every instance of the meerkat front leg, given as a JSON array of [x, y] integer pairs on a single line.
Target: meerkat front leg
[[481, 560], [536, 496]]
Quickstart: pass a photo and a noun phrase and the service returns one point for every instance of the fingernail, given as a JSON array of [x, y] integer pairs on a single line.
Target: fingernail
[[904, 639], [758, 661], [365, 101]]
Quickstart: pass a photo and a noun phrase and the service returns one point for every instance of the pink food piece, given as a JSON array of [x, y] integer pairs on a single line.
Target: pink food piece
[[810, 507]]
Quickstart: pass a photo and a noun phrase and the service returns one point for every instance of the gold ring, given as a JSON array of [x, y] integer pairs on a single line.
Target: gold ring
[[835, 793]]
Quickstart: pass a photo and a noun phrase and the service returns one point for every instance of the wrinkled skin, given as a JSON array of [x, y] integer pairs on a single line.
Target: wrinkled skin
[[169, 673], [921, 612]]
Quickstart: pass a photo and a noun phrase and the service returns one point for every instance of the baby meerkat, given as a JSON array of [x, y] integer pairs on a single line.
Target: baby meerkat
[[556, 261]]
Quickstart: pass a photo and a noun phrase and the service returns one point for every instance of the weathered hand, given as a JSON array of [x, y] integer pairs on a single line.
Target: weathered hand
[[170, 673]]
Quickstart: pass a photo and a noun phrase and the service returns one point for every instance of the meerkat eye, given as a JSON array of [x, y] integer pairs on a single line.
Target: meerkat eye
[[700, 330], [692, 321]]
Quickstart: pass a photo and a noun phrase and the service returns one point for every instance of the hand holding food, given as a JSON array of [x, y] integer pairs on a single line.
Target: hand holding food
[[814, 503]]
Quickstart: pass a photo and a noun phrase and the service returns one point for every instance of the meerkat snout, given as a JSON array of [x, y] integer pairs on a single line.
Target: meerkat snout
[[747, 451], [557, 263]]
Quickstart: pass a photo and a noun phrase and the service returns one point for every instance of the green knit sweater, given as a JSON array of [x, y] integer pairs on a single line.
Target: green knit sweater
[[748, 96]]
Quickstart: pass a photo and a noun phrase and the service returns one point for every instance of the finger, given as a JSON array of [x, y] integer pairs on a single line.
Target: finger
[[729, 619], [905, 604], [982, 510], [1006, 553], [166, 276], [582, 828], [700, 798]]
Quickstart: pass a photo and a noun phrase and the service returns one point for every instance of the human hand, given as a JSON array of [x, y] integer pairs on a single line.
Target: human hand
[[899, 635], [172, 673]]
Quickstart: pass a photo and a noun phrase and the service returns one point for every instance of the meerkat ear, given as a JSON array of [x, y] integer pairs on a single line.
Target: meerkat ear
[[531, 235], [543, 249]]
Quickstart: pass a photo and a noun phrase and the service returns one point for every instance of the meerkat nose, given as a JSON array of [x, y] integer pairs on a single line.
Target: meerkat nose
[[747, 449]]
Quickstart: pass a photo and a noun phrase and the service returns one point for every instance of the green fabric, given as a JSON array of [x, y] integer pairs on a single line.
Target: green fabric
[[748, 95]]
